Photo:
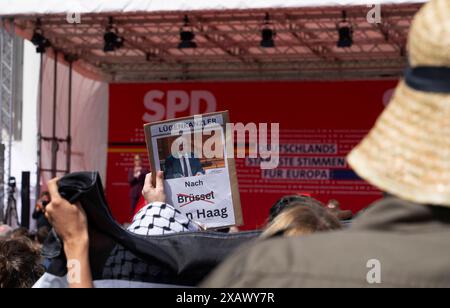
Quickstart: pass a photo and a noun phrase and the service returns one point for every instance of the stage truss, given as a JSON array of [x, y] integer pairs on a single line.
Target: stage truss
[[7, 78], [228, 44]]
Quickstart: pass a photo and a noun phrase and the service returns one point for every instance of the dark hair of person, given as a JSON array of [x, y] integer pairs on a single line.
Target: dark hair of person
[[42, 234], [21, 232], [19, 263]]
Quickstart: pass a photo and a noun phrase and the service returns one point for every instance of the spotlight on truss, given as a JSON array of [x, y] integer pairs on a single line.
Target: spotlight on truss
[[39, 40], [187, 35], [111, 38], [267, 33], [345, 31]]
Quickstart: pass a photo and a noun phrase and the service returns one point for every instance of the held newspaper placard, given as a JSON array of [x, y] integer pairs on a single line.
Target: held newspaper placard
[[199, 178]]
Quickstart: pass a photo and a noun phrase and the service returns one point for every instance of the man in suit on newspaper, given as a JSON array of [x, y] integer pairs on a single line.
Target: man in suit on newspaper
[[182, 165]]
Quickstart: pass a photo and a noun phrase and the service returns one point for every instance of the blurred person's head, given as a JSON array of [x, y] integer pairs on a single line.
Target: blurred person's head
[[406, 154], [21, 232], [45, 196], [42, 234], [19, 263], [300, 219], [137, 160], [44, 199], [5, 231], [289, 201]]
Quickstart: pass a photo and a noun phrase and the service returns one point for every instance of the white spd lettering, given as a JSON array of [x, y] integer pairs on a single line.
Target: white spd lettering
[[162, 105]]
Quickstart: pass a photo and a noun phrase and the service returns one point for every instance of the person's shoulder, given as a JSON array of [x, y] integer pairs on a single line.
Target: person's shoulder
[[262, 263], [170, 158]]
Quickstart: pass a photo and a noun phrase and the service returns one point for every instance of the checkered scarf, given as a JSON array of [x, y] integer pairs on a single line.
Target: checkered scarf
[[156, 218], [159, 218]]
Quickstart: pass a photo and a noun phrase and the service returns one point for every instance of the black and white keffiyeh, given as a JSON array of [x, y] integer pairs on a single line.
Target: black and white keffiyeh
[[159, 218], [156, 218]]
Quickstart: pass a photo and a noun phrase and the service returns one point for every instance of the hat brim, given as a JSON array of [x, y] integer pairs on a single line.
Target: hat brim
[[407, 153]]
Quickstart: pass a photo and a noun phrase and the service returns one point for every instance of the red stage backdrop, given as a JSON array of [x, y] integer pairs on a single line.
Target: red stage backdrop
[[320, 122]]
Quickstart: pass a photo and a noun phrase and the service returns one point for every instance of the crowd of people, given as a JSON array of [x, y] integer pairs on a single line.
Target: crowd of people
[[306, 243], [21, 263]]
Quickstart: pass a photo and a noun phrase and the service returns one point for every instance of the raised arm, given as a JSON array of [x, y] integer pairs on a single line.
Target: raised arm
[[70, 223]]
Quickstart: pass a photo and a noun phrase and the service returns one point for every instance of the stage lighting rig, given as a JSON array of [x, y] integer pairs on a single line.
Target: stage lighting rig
[[187, 35], [111, 38], [267, 33], [39, 40], [345, 31]]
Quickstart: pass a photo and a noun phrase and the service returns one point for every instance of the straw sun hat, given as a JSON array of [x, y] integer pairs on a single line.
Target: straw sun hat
[[407, 153]]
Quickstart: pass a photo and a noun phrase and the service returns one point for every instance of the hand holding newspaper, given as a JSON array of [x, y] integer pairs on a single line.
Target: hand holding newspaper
[[199, 178]]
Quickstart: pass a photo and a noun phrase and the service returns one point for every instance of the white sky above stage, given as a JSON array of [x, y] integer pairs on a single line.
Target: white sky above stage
[[28, 7]]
